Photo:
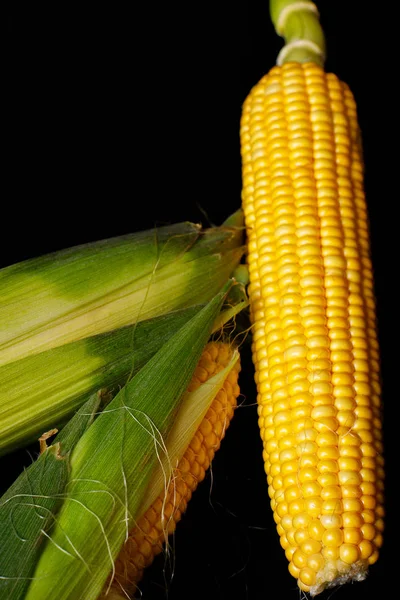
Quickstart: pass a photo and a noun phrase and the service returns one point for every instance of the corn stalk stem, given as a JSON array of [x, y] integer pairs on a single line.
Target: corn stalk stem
[[297, 21]]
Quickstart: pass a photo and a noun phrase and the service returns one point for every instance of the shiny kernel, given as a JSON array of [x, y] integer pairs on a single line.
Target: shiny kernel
[[368, 462], [352, 491], [290, 466], [346, 418], [287, 455], [320, 412], [316, 562], [330, 553], [329, 423], [351, 451], [327, 438], [369, 502], [331, 521], [284, 542], [311, 489], [286, 523], [368, 475], [352, 519], [293, 493], [366, 549], [307, 577], [301, 520], [332, 538], [289, 551], [328, 479], [342, 379], [310, 546], [331, 492], [313, 506], [302, 399], [286, 442], [290, 537], [307, 435], [306, 448], [319, 388], [301, 413], [299, 559], [303, 425], [316, 530], [345, 404], [282, 509], [349, 553], [349, 464], [352, 535], [328, 465], [296, 507], [349, 478], [308, 460], [293, 570], [308, 474], [323, 400], [300, 536], [290, 479], [352, 505]]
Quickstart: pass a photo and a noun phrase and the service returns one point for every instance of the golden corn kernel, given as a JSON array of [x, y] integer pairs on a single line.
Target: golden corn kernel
[[349, 553], [307, 576], [146, 540], [310, 546], [315, 345]]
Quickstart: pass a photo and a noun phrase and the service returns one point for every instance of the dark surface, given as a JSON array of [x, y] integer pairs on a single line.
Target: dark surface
[[117, 120]]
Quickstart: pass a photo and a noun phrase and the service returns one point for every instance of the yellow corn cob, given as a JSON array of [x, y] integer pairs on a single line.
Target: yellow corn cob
[[315, 345], [147, 538]]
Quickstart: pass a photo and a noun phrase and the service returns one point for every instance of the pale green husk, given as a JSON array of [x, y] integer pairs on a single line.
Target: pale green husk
[[42, 391], [69, 295]]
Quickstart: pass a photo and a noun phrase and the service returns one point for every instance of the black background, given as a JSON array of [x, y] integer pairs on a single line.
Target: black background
[[117, 119]]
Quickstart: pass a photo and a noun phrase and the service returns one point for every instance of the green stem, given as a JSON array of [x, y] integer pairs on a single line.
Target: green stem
[[297, 21]]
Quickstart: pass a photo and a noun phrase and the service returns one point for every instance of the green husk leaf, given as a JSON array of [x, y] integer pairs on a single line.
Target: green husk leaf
[[111, 467], [42, 391], [27, 508], [53, 300], [191, 412]]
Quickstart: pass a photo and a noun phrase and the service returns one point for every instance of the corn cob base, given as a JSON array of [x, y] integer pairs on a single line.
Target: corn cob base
[[315, 345], [147, 539]]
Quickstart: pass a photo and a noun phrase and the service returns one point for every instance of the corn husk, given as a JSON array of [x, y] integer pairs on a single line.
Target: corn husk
[[42, 391], [28, 507], [69, 295]]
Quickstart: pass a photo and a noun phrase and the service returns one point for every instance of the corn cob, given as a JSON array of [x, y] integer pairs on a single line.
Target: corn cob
[[146, 540], [315, 346]]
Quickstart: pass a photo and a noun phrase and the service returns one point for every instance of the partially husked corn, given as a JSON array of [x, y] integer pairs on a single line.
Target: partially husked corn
[[315, 345], [146, 540]]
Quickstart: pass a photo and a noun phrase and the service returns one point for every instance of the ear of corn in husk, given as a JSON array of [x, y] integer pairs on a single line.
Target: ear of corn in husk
[[191, 446], [315, 346], [112, 464]]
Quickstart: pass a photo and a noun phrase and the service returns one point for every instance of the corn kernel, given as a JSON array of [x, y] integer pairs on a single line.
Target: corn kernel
[[299, 559], [349, 553], [333, 537]]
